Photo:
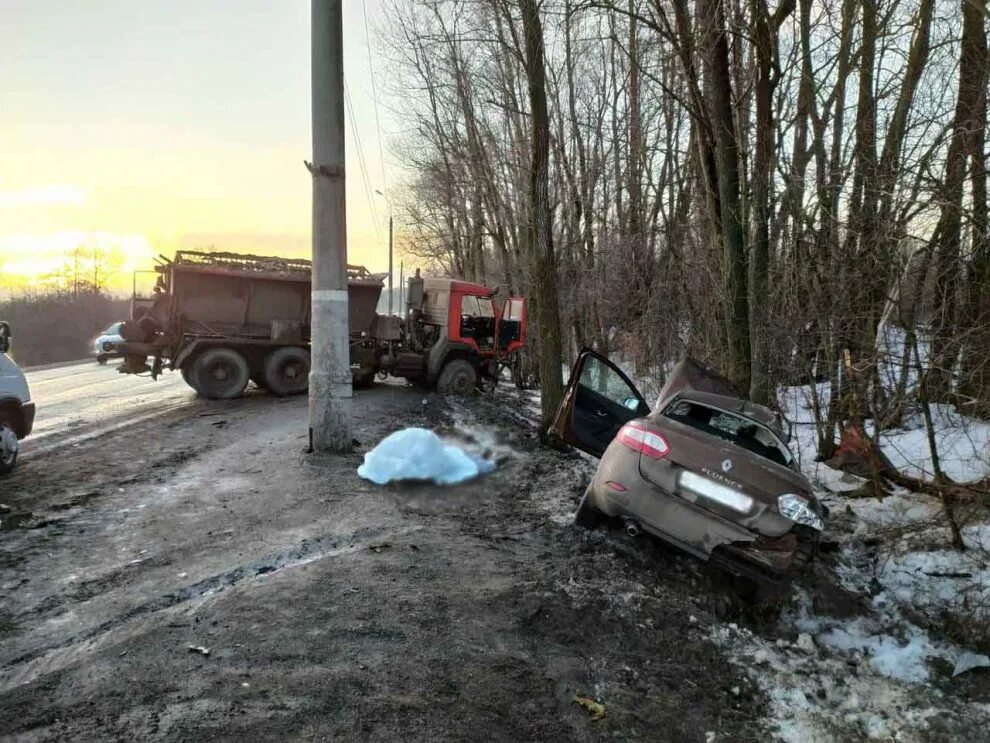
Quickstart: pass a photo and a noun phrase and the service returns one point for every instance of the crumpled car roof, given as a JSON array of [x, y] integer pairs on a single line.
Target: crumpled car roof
[[694, 380]]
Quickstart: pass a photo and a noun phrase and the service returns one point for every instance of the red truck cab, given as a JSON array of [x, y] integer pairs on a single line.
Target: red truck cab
[[475, 319]]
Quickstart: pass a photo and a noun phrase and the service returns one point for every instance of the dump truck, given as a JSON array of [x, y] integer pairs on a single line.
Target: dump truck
[[226, 319]]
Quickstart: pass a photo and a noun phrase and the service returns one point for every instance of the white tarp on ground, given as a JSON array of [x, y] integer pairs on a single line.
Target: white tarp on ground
[[419, 454]]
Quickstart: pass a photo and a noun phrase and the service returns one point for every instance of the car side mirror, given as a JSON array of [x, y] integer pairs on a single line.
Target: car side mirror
[[4, 337], [631, 402]]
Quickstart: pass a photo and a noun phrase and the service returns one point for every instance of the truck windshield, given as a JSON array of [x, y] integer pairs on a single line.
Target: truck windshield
[[736, 429]]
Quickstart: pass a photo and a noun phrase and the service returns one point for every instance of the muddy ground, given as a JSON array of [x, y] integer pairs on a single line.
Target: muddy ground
[[333, 609]]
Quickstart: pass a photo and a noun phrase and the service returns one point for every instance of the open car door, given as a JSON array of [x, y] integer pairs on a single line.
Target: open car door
[[512, 326], [598, 401]]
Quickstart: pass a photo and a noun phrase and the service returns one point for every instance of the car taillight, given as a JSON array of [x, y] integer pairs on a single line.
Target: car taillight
[[639, 437]]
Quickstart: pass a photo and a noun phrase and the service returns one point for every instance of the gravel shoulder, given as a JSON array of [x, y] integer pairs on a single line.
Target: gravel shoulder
[[333, 608]]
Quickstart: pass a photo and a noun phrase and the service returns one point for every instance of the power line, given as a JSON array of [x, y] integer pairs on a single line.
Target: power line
[[361, 162], [374, 97]]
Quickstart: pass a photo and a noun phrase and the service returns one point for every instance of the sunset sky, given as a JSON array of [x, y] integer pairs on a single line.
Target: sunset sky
[[143, 127]]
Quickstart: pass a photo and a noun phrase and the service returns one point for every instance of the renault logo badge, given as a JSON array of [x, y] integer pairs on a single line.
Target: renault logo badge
[[726, 465]]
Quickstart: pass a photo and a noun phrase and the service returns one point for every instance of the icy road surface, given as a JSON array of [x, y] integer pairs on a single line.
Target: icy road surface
[[85, 400]]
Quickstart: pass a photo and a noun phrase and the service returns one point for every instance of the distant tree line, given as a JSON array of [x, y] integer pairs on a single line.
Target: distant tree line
[[51, 326], [55, 318]]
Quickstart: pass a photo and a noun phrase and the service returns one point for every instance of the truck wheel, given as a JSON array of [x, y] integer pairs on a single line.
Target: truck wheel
[[363, 378], [457, 378], [9, 447], [287, 371], [188, 377], [220, 374]]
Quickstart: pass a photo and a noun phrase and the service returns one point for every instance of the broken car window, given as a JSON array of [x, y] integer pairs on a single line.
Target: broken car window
[[735, 429]]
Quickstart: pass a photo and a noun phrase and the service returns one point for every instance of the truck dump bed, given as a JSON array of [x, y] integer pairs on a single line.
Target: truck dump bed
[[232, 294]]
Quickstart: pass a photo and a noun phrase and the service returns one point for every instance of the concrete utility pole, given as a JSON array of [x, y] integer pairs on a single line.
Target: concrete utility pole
[[330, 372], [390, 262], [389, 202]]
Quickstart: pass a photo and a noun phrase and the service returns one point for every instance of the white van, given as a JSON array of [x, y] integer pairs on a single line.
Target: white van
[[16, 407]]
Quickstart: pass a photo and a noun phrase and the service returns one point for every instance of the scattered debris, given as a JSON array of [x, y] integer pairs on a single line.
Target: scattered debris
[[596, 710], [380, 547], [198, 649]]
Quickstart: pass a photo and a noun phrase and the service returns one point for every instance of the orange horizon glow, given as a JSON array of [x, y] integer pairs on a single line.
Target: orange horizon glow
[[139, 129]]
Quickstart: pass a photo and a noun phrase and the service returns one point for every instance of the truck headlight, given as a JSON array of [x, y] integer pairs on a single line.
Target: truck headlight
[[798, 510]]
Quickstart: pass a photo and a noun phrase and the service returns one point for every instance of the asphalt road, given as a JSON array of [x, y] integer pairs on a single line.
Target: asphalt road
[[83, 401]]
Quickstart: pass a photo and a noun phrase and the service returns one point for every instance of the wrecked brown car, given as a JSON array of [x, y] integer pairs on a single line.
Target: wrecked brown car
[[703, 470]]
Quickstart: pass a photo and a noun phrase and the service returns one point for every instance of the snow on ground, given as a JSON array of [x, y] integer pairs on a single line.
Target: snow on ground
[[963, 442], [816, 695], [886, 672]]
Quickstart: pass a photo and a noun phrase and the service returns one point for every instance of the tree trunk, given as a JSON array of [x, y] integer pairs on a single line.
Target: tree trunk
[[963, 145], [974, 378], [718, 89], [541, 221], [765, 35]]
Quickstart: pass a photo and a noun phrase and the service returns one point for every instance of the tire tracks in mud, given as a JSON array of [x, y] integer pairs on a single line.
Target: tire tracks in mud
[[18, 671]]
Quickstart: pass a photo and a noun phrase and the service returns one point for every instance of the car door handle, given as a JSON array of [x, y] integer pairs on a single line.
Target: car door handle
[[601, 414]]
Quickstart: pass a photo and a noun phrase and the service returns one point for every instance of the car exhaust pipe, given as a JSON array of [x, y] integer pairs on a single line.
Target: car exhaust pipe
[[632, 528]]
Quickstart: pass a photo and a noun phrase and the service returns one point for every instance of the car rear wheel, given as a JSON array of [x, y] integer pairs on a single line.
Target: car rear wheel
[[587, 515], [287, 371], [9, 446], [220, 374], [457, 378]]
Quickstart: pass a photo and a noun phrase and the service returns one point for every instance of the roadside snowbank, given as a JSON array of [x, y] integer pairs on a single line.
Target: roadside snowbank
[[823, 696], [963, 442]]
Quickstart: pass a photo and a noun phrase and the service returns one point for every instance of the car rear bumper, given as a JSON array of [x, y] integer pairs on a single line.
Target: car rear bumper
[[694, 529], [770, 560]]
